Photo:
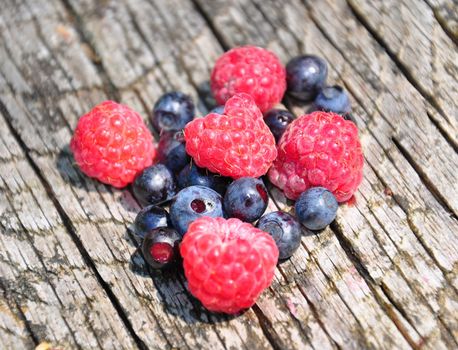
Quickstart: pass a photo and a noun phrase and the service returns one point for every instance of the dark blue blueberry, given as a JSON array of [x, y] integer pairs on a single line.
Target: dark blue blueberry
[[284, 229], [160, 248], [333, 99], [316, 208], [154, 185], [246, 199], [218, 110], [306, 75], [150, 217], [172, 112], [192, 203], [171, 150], [277, 120], [192, 175]]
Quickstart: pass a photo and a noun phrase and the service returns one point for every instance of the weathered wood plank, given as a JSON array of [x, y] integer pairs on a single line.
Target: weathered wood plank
[[390, 136], [285, 305], [295, 17], [205, 77], [42, 270], [409, 31], [446, 13], [417, 136], [377, 126], [160, 310], [326, 316], [13, 331], [186, 65], [333, 302]]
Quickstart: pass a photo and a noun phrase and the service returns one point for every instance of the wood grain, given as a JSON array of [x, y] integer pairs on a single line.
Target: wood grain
[[410, 32], [297, 18], [43, 272], [446, 14], [383, 276]]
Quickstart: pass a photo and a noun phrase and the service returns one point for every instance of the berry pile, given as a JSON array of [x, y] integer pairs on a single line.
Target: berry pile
[[208, 171]]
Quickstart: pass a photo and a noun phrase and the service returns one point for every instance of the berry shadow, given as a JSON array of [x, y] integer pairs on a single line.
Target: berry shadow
[[170, 286], [205, 95], [131, 237], [290, 101], [72, 175], [171, 289], [70, 172], [307, 233]]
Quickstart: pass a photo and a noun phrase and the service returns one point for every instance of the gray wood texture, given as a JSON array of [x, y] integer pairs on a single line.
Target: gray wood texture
[[383, 276]]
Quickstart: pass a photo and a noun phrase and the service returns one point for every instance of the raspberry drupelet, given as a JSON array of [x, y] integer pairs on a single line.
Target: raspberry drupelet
[[252, 70], [228, 263], [319, 149], [237, 143], [112, 144]]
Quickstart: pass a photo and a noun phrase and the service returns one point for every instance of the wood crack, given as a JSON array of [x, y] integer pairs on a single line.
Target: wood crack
[[421, 174], [317, 317], [447, 30], [332, 283], [45, 277], [222, 42], [334, 287], [401, 66], [430, 186], [413, 227], [263, 320], [71, 230], [267, 329], [353, 256], [386, 289], [109, 87], [139, 31], [19, 313]]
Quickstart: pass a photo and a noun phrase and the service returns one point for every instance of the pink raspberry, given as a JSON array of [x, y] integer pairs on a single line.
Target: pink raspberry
[[252, 70], [228, 263], [112, 144], [237, 143], [319, 149]]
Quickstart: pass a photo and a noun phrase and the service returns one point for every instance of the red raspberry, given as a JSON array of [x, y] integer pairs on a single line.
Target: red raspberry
[[250, 69], [237, 143], [112, 144], [228, 263], [319, 149]]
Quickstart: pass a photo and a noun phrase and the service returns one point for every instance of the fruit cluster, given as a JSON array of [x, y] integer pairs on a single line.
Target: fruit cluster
[[208, 171]]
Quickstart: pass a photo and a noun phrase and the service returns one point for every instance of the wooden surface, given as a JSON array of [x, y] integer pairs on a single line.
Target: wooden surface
[[383, 276]]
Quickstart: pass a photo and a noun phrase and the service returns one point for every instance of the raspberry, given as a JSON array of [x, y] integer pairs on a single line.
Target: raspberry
[[236, 144], [319, 149], [228, 263], [250, 69], [112, 144]]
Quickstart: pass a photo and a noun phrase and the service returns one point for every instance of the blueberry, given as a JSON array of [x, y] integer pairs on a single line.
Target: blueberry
[[172, 111], [333, 99], [316, 208], [284, 229], [149, 218], [246, 199], [218, 110], [160, 247], [192, 175], [305, 76], [277, 120], [171, 150], [154, 185], [192, 203]]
